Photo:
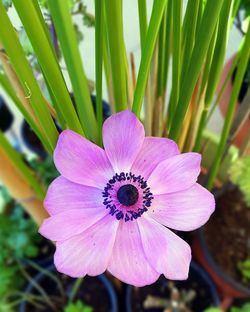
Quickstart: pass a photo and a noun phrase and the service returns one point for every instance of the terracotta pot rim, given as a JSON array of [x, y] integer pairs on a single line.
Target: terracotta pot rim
[[216, 268]]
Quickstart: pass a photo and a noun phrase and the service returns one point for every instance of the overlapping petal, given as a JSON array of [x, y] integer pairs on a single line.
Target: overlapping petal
[[153, 151], [175, 174], [123, 136], [70, 223], [89, 252], [128, 261], [64, 195], [166, 252], [185, 210], [81, 161]]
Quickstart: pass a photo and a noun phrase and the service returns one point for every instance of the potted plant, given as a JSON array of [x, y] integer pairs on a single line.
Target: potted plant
[[197, 293], [226, 256]]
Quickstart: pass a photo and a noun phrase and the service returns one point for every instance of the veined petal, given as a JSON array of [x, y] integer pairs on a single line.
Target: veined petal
[[166, 252], [123, 135], [175, 174], [81, 161], [128, 262], [70, 223], [88, 252], [64, 195], [154, 150], [185, 210]]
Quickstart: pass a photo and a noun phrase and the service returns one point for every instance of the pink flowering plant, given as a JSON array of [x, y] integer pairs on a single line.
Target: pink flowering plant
[[113, 208], [128, 184]]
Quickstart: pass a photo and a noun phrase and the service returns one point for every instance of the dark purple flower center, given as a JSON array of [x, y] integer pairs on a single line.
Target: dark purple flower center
[[128, 195]]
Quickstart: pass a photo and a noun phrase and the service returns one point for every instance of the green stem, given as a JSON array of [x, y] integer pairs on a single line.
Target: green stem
[[99, 37], [142, 9], [25, 75], [113, 11], [75, 289], [204, 35], [176, 56], [147, 53], [46, 56], [60, 13]]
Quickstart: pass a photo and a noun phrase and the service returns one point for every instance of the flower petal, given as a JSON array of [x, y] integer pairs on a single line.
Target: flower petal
[[64, 195], [88, 252], [166, 252], [81, 161], [175, 174], [70, 223], [123, 135], [185, 210], [128, 262], [153, 151]]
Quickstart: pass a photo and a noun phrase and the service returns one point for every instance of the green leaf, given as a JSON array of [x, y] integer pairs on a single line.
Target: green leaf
[[204, 35], [24, 72], [117, 53], [65, 30], [147, 53], [242, 65], [79, 306], [34, 24]]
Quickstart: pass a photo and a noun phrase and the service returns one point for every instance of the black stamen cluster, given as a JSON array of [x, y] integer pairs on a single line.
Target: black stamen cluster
[[127, 215]]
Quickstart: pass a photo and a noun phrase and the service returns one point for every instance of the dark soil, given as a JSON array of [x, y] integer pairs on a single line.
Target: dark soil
[[228, 234], [92, 292], [161, 290]]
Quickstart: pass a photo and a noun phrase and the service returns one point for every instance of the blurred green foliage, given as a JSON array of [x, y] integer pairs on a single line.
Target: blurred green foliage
[[44, 169], [79, 306], [244, 308], [244, 268], [239, 174]]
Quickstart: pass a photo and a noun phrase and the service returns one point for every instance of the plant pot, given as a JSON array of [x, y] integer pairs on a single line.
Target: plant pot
[[103, 301], [198, 280], [224, 101], [223, 243], [6, 117], [227, 287]]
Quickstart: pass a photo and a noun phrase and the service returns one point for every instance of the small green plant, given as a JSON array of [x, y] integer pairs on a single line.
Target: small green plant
[[213, 309], [239, 174], [244, 268], [244, 308], [45, 169], [18, 236], [78, 306]]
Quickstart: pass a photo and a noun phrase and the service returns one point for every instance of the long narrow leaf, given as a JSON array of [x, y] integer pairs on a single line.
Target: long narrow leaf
[[147, 53], [46, 57], [65, 30], [99, 34], [24, 72], [205, 32], [113, 20]]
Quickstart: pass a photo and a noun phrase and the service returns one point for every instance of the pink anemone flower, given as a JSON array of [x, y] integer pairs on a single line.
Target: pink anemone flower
[[111, 209]]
